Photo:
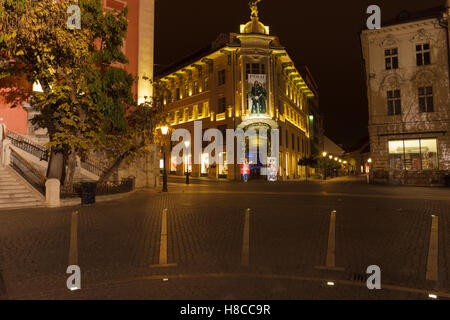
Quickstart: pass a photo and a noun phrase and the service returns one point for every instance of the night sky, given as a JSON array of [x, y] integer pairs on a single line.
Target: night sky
[[321, 34]]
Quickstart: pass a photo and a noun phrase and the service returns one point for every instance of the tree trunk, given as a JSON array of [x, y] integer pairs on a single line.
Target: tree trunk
[[55, 165], [70, 173]]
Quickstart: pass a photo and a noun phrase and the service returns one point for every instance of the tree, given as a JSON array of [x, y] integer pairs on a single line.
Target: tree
[[326, 164], [143, 124], [307, 162], [86, 93]]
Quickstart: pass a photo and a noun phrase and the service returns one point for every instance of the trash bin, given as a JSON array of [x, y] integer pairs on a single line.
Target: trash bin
[[88, 191]]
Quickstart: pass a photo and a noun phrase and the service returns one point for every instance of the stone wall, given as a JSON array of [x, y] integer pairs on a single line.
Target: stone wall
[[145, 169]]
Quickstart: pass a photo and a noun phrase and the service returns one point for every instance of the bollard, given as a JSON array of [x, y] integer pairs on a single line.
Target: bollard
[[163, 261], [246, 240], [433, 251], [331, 250], [52, 193], [73, 249]]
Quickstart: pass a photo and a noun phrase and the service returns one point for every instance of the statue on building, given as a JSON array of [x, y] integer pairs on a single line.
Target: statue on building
[[254, 8]]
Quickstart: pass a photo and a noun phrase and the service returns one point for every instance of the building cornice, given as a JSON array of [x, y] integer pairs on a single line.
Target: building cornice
[[402, 27]]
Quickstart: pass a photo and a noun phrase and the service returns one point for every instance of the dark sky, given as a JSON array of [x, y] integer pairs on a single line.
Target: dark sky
[[321, 34]]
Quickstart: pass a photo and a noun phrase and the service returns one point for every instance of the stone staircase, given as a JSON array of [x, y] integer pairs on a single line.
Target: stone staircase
[[15, 194]]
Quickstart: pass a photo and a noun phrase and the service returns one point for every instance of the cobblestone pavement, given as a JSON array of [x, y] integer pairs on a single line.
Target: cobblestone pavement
[[119, 242]]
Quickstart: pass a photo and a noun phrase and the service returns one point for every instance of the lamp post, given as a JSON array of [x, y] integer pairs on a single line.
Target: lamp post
[[187, 144], [164, 131]]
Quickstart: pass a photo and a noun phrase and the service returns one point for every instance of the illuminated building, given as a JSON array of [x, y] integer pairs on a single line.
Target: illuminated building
[[217, 85], [407, 74]]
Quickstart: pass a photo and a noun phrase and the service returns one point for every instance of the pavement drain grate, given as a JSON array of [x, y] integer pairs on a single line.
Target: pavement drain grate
[[358, 277]]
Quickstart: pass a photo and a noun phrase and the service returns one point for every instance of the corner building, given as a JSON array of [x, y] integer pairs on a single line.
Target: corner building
[[407, 76], [243, 81]]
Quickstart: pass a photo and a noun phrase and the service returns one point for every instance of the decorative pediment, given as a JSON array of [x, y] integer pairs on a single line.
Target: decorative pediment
[[424, 77], [421, 36], [389, 41], [391, 82]]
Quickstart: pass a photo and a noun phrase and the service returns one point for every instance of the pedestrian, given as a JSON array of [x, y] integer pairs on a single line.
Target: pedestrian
[[246, 170]]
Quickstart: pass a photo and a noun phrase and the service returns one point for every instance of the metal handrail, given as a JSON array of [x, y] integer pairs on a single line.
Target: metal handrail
[[42, 153], [27, 145], [93, 167], [28, 171]]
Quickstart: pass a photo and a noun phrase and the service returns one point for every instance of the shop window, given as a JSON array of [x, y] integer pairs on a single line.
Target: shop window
[[188, 163], [413, 155], [426, 103], [173, 164], [428, 149], [223, 166], [205, 164]]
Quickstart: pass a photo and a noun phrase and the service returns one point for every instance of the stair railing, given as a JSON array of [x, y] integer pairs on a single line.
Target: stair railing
[[28, 171], [27, 145]]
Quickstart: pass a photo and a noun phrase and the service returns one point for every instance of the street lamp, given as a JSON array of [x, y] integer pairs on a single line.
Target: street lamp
[[164, 131], [324, 154], [187, 144]]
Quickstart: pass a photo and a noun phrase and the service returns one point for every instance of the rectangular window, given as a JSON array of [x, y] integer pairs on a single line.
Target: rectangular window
[[254, 68], [205, 112], [177, 94], [423, 54], [281, 137], [186, 90], [298, 144], [206, 84], [413, 155], [293, 142], [195, 87], [221, 76], [426, 103], [391, 58], [394, 102], [287, 139], [221, 106]]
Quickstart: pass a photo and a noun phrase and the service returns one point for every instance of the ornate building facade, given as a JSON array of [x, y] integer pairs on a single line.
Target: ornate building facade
[[243, 81], [407, 75]]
